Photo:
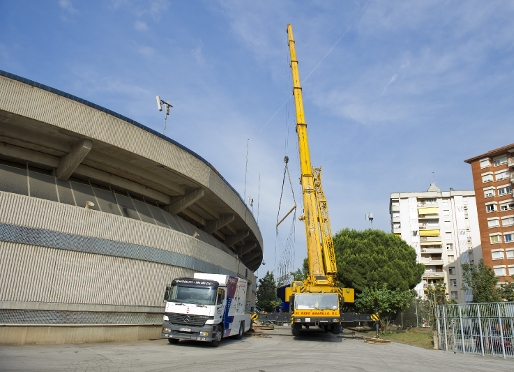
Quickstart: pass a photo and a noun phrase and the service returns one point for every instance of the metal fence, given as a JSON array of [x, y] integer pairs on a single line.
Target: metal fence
[[485, 328]]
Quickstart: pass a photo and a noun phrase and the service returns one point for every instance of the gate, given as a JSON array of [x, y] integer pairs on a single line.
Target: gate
[[481, 328]]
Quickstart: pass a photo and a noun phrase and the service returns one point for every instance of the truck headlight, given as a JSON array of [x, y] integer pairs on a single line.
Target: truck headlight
[[166, 330], [205, 334], [297, 320], [165, 317], [335, 320]]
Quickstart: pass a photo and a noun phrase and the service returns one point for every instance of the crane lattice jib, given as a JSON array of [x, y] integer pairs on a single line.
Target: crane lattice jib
[[311, 213], [326, 230]]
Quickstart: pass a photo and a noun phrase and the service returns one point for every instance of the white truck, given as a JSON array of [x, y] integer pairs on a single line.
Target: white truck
[[207, 307]]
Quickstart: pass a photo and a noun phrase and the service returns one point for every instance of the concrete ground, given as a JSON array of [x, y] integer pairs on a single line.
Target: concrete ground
[[274, 350]]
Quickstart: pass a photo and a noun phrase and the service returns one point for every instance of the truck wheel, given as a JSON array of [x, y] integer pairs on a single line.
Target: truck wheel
[[241, 330], [173, 341], [296, 329], [336, 329], [217, 336]]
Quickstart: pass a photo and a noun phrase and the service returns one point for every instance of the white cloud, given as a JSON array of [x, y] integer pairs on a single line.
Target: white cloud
[[67, 5], [198, 55], [146, 51], [140, 25]]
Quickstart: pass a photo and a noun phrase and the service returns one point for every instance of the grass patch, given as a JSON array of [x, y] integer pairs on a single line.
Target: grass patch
[[421, 337]]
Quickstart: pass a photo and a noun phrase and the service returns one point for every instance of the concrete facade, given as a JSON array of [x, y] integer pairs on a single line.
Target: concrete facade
[[493, 179], [443, 229], [97, 214]]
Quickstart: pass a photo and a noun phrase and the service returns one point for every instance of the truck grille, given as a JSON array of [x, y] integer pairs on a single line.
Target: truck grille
[[188, 319]]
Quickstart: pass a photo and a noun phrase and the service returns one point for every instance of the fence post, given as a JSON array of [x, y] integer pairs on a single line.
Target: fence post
[[480, 329], [462, 330], [501, 328], [445, 328], [438, 322]]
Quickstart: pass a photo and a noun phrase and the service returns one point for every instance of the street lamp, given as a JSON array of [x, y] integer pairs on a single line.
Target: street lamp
[[161, 102]]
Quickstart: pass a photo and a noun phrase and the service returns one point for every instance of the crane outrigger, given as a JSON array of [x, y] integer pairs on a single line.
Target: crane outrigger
[[317, 300]]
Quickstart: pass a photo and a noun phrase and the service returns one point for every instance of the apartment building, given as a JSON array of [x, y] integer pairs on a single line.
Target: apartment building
[[442, 227], [493, 176]]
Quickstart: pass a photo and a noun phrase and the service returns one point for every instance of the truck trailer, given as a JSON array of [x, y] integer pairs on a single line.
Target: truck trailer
[[207, 307]]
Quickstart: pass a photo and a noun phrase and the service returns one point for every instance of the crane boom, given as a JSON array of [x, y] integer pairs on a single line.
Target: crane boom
[[318, 299], [320, 249]]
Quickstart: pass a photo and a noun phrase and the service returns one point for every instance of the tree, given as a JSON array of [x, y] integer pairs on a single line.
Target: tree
[[301, 274], [435, 294], [507, 290], [387, 302], [267, 298], [482, 281], [370, 258]]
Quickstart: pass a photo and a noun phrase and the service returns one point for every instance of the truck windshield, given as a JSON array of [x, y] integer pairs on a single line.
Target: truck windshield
[[316, 301], [192, 294]]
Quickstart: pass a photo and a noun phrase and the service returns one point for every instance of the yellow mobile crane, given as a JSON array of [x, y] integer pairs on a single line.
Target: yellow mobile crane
[[317, 300]]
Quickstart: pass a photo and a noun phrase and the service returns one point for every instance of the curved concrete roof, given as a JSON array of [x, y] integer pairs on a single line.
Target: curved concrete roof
[[55, 130]]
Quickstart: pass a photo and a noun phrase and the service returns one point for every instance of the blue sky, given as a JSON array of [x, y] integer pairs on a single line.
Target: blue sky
[[397, 94]]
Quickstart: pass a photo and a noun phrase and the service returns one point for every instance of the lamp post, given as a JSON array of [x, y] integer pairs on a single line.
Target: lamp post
[[161, 102], [369, 217]]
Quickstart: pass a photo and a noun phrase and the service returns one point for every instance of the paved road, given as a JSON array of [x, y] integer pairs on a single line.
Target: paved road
[[279, 351]]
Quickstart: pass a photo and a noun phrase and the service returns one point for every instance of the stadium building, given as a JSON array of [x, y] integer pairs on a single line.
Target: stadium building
[[97, 214]]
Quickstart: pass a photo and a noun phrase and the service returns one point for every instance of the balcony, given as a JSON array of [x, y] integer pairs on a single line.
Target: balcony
[[427, 226], [432, 233], [429, 262], [429, 239], [431, 250], [428, 216], [511, 162], [428, 209], [433, 274]]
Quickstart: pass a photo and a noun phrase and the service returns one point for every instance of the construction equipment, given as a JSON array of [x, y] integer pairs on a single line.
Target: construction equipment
[[316, 301]]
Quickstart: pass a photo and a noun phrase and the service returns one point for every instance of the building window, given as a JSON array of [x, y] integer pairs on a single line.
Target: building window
[[454, 295], [490, 207], [448, 235], [510, 254], [495, 238], [508, 237], [499, 270], [453, 282], [489, 192], [497, 255], [502, 175], [511, 270], [396, 225], [504, 190], [484, 163], [451, 270], [449, 247], [507, 205], [451, 258], [493, 222], [487, 177], [508, 221], [499, 160]]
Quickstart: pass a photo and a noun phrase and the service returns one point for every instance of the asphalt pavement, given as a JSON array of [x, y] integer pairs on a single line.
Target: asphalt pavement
[[265, 351]]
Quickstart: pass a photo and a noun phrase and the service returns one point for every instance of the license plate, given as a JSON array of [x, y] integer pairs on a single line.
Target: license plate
[[185, 329]]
